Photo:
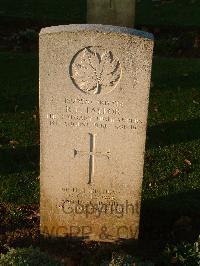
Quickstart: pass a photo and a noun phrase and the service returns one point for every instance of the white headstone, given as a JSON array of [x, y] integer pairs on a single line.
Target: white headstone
[[111, 12], [94, 91]]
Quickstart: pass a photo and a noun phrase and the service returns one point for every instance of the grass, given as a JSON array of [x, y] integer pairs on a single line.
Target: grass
[[173, 137], [19, 81], [171, 187], [19, 151], [148, 12], [180, 13], [44, 11]]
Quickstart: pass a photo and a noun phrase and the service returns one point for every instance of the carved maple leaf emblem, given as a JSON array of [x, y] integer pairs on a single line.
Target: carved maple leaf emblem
[[93, 72]]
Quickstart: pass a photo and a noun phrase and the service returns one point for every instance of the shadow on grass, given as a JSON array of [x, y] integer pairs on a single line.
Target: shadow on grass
[[46, 12], [173, 133], [83, 252], [164, 220], [171, 219], [27, 158], [19, 159]]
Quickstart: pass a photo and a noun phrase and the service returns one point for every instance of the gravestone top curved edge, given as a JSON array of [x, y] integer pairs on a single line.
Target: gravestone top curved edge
[[96, 28]]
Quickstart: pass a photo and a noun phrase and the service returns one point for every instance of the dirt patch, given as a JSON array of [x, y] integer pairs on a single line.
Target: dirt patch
[[19, 226]]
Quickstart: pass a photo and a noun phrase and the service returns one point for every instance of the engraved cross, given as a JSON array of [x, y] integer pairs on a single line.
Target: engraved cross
[[92, 153]]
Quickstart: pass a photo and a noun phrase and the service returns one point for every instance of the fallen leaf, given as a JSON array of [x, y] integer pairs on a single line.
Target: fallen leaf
[[34, 215], [13, 142], [176, 173], [187, 162]]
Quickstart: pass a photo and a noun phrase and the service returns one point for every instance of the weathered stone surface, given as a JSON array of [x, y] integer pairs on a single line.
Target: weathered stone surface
[[111, 12], [94, 90]]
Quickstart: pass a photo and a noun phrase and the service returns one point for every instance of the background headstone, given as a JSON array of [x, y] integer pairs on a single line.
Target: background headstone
[[111, 12], [94, 90]]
